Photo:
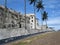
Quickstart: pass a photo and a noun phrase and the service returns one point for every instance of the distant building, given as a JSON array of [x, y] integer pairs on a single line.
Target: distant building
[[32, 21]]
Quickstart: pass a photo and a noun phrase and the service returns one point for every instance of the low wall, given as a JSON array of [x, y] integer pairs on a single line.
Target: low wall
[[7, 33]]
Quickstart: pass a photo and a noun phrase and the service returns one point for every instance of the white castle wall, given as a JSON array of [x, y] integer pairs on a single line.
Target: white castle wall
[[7, 33]]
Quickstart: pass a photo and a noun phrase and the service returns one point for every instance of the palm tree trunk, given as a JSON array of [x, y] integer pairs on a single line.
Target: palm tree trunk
[[46, 24], [25, 12], [42, 25], [41, 20]]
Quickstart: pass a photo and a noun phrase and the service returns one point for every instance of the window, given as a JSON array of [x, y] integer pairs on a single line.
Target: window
[[13, 25], [19, 25], [12, 16], [9, 25], [31, 26], [32, 17], [12, 22], [31, 20], [4, 26]]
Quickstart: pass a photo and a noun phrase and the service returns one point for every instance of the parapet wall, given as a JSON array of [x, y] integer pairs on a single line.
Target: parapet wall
[[7, 33]]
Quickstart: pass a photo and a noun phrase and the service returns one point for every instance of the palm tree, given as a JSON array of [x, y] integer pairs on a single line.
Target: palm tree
[[34, 4], [40, 7], [32, 1], [45, 17]]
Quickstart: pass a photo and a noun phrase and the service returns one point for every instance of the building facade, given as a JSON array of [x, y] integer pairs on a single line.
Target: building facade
[[9, 18], [33, 21]]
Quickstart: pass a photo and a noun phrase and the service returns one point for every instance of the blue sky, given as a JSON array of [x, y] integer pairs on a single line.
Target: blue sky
[[51, 6]]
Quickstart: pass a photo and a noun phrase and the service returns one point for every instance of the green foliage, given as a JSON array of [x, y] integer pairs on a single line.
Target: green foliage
[[44, 16], [32, 1], [20, 43], [39, 5]]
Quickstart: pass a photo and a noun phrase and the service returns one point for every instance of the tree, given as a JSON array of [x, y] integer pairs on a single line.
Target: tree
[[34, 4], [45, 17], [32, 1], [40, 7]]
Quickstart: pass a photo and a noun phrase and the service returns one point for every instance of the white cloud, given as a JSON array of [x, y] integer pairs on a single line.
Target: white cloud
[[53, 4], [54, 22], [50, 6], [51, 1]]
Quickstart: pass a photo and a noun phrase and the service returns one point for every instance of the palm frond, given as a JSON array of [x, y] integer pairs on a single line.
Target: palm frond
[[32, 1], [44, 16], [39, 5]]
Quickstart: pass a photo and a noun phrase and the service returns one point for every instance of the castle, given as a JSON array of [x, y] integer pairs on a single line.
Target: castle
[[12, 23], [12, 19]]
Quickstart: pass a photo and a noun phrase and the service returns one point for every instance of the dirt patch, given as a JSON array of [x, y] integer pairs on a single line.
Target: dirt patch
[[50, 39], [43, 39]]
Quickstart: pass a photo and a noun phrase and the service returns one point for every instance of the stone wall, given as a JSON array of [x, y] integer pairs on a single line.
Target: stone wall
[[6, 33]]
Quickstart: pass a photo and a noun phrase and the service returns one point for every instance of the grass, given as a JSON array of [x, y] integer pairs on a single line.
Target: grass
[[24, 42], [20, 43]]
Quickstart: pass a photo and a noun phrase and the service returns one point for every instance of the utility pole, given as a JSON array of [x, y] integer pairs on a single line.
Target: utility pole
[[35, 14], [5, 10], [5, 3], [25, 12]]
